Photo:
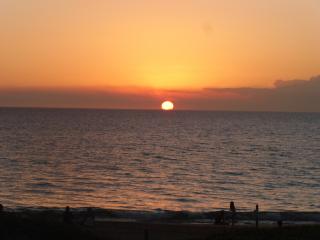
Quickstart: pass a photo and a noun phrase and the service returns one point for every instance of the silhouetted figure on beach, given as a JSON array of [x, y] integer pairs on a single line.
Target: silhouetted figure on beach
[[1, 217], [256, 212], [89, 218], [67, 216], [219, 219], [1, 211], [233, 212], [146, 234]]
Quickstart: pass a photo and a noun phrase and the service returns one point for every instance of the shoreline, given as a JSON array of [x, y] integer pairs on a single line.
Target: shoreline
[[45, 225], [244, 218]]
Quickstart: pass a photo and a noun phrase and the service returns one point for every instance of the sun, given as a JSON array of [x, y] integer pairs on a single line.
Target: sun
[[167, 106]]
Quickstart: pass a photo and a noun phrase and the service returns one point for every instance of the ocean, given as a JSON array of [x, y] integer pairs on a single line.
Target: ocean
[[156, 160]]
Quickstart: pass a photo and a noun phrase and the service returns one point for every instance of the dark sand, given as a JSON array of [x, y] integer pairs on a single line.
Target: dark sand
[[17, 226], [202, 231]]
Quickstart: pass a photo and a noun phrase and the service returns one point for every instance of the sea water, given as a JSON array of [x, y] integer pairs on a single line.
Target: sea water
[[147, 160]]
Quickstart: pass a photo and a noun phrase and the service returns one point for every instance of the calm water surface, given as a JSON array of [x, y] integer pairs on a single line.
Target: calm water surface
[[148, 160]]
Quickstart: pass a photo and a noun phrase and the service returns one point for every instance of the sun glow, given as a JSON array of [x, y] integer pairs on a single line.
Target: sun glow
[[167, 106]]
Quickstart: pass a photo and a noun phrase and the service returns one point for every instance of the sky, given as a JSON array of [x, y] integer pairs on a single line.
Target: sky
[[133, 54]]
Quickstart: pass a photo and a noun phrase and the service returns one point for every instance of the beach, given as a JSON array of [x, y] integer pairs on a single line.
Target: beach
[[49, 224]]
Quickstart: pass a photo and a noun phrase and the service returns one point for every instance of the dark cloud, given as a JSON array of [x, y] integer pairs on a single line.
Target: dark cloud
[[291, 95]]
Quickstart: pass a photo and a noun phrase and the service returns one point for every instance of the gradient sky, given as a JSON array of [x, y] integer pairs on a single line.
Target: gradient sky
[[153, 50]]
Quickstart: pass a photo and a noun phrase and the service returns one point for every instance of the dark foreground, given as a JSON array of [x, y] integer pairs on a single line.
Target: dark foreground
[[18, 227]]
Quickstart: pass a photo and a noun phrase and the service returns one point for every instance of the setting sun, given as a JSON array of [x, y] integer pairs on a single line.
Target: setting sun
[[167, 106]]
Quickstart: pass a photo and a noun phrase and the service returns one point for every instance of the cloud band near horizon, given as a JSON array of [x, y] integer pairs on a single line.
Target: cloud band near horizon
[[287, 96]]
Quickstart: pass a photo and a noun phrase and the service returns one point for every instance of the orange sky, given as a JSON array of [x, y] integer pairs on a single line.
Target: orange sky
[[160, 45]]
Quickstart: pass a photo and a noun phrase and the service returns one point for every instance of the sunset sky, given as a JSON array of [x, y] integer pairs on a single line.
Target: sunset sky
[[202, 54]]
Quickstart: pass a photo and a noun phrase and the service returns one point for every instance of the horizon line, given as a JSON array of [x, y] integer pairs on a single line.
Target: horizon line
[[149, 109]]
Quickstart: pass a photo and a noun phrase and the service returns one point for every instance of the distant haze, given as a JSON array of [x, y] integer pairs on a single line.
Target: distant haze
[[213, 55]]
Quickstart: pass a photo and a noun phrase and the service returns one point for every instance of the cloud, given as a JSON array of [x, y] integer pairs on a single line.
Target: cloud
[[286, 95], [76, 98], [289, 95], [281, 83]]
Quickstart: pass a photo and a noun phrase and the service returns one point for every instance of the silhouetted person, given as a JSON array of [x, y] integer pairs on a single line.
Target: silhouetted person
[[1, 217], [279, 222], [1, 211], [256, 212], [89, 217], [233, 212], [146, 234], [219, 219], [67, 216]]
